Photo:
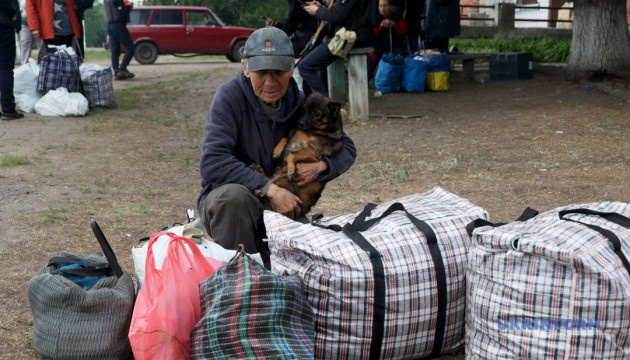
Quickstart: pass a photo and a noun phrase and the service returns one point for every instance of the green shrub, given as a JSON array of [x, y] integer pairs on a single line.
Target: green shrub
[[545, 50]]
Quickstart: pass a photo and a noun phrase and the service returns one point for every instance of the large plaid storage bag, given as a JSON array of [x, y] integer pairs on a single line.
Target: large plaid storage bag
[[98, 85], [554, 287], [387, 283], [60, 69], [247, 312]]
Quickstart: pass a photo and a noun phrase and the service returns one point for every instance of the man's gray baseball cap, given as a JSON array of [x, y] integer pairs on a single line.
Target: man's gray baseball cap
[[268, 48]]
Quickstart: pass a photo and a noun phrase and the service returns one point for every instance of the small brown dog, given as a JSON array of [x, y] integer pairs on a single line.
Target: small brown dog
[[318, 134]]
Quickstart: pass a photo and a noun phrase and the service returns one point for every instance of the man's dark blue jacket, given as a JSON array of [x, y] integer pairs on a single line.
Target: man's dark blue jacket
[[237, 134]]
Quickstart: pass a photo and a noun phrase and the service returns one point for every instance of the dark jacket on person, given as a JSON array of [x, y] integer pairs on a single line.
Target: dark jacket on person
[[356, 15], [238, 133], [9, 9], [116, 11], [441, 19], [298, 20]]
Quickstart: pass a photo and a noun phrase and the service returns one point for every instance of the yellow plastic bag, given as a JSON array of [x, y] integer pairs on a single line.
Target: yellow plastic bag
[[437, 80]]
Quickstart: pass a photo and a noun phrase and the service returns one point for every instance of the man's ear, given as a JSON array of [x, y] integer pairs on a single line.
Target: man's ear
[[245, 71], [334, 108]]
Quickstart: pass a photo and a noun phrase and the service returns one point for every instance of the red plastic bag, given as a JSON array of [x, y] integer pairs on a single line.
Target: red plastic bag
[[168, 305]]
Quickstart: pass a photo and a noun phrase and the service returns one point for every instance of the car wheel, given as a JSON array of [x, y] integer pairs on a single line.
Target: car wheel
[[145, 53], [237, 51]]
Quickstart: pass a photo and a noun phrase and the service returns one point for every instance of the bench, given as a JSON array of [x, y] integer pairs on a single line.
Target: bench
[[468, 63], [354, 89]]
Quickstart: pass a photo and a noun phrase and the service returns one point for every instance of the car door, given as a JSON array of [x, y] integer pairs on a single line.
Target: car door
[[167, 30], [203, 33]]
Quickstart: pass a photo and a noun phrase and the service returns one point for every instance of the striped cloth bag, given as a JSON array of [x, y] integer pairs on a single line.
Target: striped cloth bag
[[98, 85], [554, 287], [60, 69], [247, 312], [389, 287]]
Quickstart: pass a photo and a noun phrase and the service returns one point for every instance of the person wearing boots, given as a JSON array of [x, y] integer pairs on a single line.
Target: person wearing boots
[[117, 12], [10, 22]]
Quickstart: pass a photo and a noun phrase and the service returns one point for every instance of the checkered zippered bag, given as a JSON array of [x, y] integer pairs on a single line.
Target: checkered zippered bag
[[247, 312], [59, 69], [98, 85], [387, 283], [554, 287]]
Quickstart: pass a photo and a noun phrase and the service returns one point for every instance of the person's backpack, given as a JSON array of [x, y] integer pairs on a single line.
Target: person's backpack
[[82, 306]]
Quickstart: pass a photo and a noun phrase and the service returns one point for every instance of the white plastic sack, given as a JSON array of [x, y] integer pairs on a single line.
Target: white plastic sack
[[25, 86], [60, 102], [208, 248]]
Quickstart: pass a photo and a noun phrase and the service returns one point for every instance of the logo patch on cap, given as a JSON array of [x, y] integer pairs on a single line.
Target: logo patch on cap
[[268, 43]]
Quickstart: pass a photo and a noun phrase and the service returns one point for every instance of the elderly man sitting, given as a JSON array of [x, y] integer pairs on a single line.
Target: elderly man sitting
[[248, 117]]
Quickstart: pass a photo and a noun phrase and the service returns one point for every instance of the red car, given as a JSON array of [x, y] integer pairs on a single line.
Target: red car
[[183, 29]]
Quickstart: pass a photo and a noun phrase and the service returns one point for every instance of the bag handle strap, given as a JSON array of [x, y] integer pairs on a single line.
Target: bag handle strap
[[527, 214], [353, 231], [612, 238], [89, 268], [107, 250]]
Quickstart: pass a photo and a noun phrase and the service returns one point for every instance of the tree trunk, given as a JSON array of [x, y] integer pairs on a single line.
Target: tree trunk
[[601, 43]]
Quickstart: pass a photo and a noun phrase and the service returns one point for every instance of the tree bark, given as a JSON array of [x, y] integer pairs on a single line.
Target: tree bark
[[601, 43]]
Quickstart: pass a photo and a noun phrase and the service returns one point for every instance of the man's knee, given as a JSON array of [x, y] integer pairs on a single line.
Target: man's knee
[[233, 197]]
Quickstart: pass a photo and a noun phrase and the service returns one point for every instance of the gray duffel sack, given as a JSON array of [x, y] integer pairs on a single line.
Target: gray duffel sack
[[70, 322], [556, 286]]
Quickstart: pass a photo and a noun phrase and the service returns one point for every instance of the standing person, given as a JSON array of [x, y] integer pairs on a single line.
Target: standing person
[[351, 14], [10, 21], [53, 21], [117, 12], [441, 22], [248, 117], [26, 38], [79, 7]]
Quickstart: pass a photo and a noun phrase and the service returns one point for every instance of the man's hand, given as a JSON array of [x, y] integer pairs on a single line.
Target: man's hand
[[387, 23], [311, 7], [306, 173], [36, 34], [283, 201], [270, 22]]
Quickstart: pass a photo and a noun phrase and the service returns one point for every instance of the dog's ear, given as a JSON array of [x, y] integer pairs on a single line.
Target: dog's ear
[[334, 108], [307, 89]]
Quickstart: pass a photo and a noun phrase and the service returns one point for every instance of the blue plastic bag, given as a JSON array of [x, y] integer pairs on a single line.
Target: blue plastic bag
[[390, 69], [414, 73], [439, 71]]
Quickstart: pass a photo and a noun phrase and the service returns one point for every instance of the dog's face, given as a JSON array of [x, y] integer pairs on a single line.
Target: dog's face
[[320, 113]]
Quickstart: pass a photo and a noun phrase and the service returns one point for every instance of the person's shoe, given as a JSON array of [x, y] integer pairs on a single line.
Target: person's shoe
[[12, 116], [124, 75]]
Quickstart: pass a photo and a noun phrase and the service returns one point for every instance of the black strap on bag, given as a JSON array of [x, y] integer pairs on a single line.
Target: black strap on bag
[[107, 250], [526, 215], [612, 238], [91, 268], [353, 231]]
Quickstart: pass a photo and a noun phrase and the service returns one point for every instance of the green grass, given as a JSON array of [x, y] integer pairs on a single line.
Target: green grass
[[14, 160], [545, 50]]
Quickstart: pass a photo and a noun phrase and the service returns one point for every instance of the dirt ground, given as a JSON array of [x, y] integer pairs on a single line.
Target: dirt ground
[[541, 143]]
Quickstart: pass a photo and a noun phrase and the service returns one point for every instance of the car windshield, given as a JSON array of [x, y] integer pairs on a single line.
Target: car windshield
[[216, 17]]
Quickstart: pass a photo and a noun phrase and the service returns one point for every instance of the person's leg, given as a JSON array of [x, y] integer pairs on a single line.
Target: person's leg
[[7, 62], [41, 49], [26, 42], [318, 59], [232, 215], [125, 39], [115, 46]]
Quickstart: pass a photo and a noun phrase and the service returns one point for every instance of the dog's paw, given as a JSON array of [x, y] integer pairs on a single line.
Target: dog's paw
[[291, 175], [257, 168]]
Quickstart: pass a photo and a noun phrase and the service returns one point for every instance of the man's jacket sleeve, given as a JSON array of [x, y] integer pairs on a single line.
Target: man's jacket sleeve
[[340, 162], [337, 13], [218, 164]]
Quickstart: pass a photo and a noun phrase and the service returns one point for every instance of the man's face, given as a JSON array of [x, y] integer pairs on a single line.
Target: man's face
[[269, 85], [384, 8]]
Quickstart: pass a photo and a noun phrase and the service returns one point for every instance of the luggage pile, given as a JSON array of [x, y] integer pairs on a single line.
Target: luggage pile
[[415, 277], [62, 86]]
